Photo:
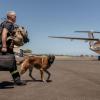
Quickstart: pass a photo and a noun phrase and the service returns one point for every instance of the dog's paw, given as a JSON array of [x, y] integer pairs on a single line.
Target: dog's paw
[[44, 81], [49, 80], [33, 79]]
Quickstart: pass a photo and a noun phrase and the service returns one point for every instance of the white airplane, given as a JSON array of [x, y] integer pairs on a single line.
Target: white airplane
[[94, 43]]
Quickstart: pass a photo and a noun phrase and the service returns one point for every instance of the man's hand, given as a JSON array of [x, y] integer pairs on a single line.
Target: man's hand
[[4, 49]]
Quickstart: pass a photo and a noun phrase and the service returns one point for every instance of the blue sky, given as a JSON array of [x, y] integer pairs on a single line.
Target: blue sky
[[43, 18]]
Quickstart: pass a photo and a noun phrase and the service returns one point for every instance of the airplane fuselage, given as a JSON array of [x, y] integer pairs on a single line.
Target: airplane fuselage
[[95, 47]]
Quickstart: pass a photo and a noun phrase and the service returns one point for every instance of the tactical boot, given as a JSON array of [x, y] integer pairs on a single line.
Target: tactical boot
[[19, 82]]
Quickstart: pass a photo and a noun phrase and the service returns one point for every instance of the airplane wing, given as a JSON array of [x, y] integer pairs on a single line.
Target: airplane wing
[[88, 31], [75, 38]]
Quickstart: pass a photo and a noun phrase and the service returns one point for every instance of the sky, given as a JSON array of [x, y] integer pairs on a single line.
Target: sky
[[43, 18]]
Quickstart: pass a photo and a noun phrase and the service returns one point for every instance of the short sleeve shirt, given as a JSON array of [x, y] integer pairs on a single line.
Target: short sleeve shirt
[[9, 26]]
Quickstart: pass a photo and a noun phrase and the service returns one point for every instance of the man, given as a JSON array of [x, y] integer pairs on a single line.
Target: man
[[7, 47]]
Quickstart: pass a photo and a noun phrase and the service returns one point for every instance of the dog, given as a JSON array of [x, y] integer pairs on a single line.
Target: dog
[[43, 63]]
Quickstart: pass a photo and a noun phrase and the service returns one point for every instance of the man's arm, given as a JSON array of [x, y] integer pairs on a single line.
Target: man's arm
[[4, 39]]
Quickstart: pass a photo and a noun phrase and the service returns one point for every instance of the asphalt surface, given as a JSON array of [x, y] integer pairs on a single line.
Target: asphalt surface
[[71, 80]]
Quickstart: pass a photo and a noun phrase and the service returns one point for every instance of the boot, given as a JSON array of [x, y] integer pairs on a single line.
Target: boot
[[16, 78], [19, 82]]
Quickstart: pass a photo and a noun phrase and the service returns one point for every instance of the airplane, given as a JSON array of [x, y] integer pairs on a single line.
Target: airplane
[[94, 43]]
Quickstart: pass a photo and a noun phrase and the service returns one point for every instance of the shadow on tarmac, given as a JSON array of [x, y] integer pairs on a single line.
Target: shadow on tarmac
[[6, 85], [37, 80]]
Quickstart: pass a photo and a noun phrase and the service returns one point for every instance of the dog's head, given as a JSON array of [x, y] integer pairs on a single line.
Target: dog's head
[[51, 59]]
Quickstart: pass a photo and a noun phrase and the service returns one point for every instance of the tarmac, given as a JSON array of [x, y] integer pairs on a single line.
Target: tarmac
[[71, 79]]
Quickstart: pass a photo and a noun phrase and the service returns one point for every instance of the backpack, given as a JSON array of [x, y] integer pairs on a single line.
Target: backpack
[[20, 36]]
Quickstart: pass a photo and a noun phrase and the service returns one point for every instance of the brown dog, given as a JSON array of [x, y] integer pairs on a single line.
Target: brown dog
[[39, 62]]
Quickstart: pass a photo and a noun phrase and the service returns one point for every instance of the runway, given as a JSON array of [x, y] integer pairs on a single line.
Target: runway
[[71, 80]]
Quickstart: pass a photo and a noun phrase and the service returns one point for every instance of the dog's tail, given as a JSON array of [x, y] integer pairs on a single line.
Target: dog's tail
[[22, 60]]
